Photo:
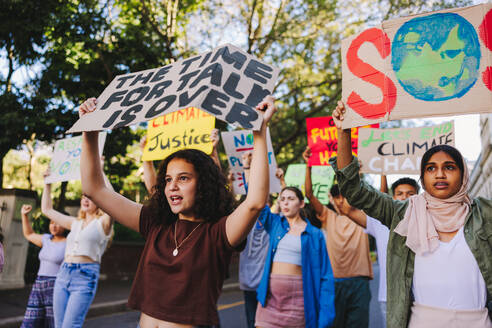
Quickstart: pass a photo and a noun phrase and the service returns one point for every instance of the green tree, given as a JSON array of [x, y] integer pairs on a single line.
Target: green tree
[[303, 39]]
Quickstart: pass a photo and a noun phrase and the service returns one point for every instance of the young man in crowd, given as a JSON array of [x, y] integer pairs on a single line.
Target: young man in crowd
[[348, 249], [401, 189]]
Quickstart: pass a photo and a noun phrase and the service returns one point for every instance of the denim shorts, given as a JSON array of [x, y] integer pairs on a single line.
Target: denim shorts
[[75, 288]]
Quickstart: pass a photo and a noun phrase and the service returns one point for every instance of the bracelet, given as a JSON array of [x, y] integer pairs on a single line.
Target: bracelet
[[246, 168]]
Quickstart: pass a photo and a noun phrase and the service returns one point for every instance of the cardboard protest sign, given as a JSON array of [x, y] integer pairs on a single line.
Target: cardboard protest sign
[[321, 178], [323, 139], [226, 82], [65, 162], [433, 64], [399, 151], [238, 142], [187, 128]]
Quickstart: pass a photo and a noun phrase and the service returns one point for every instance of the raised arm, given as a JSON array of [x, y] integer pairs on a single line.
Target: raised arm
[[47, 208], [246, 157], [308, 184], [106, 220], [240, 222], [384, 184], [149, 174], [214, 137], [352, 213], [115, 205], [358, 193], [27, 231], [279, 173]]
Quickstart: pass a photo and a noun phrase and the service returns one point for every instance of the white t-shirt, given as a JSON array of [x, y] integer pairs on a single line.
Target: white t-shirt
[[381, 233], [449, 278]]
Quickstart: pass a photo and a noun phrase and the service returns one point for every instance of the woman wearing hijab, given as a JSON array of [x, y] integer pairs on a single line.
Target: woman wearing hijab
[[439, 261]]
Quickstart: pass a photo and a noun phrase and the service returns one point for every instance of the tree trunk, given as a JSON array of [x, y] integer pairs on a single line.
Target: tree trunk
[[1, 170], [60, 206]]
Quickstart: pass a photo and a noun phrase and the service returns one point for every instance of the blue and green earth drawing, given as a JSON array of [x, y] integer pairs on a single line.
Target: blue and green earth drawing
[[436, 57]]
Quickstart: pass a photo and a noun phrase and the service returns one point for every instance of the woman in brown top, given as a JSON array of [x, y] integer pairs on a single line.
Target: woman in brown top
[[189, 227]]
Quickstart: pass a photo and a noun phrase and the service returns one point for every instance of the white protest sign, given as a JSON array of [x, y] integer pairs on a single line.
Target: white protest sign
[[226, 82], [433, 64], [238, 142], [65, 162], [400, 151]]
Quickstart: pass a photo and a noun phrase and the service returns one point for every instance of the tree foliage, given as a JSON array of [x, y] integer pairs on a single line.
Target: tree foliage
[[76, 47], [303, 39]]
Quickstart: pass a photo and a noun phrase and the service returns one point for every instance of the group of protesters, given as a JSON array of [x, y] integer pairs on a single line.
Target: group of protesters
[[434, 248]]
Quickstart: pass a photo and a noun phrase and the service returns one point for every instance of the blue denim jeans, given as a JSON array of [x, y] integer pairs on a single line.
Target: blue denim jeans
[[250, 305], [75, 288]]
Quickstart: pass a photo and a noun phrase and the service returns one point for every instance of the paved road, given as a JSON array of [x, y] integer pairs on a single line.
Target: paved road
[[231, 312]]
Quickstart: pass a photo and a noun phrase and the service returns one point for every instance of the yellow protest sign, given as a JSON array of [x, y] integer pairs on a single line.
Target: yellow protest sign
[[184, 129]]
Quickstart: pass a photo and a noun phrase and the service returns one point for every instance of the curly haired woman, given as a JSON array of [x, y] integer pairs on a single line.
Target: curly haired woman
[[189, 225]]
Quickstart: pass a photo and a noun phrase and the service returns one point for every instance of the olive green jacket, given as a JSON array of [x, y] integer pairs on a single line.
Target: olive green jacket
[[400, 259]]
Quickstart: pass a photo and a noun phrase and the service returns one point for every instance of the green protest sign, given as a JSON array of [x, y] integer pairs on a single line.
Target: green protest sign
[[322, 179]]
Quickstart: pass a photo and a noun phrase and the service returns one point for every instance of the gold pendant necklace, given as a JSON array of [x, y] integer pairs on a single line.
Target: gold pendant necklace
[[175, 252]]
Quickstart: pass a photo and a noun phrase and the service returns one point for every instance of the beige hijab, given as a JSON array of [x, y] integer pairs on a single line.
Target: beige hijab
[[426, 215]]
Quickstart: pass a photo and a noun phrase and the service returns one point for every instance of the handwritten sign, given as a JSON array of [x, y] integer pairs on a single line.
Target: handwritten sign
[[399, 151], [238, 142], [323, 139], [65, 162], [185, 129], [434, 64], [226, 82], [321, 178]]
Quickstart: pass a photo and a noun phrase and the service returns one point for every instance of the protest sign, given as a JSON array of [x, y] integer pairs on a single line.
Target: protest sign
[[187, 128], [65, 162], [321, 178], [399, 151], [238, 142], [433, 64], [323, 139], [226, 82]]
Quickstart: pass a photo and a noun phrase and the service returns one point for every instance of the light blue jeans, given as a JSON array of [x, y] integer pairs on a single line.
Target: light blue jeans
[[75, 288]]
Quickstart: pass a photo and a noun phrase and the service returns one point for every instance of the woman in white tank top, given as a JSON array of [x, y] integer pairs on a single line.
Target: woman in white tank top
[[77, 279]]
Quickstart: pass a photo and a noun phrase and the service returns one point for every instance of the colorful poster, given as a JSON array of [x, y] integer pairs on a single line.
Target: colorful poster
[[433, 64], [321, 178], [399, 151], [226, 82], [65, 162], [323, 139], [187, 128], [238, 142]]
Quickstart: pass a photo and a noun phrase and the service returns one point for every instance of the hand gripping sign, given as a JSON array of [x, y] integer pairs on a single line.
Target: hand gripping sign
[[226, 82], [65, 162], [434, 64], [238, 142], [399, 151]]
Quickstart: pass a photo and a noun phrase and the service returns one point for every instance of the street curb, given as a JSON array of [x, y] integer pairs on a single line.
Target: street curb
[[96, 310], [99, 309], [11, 322], [230, 287]]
